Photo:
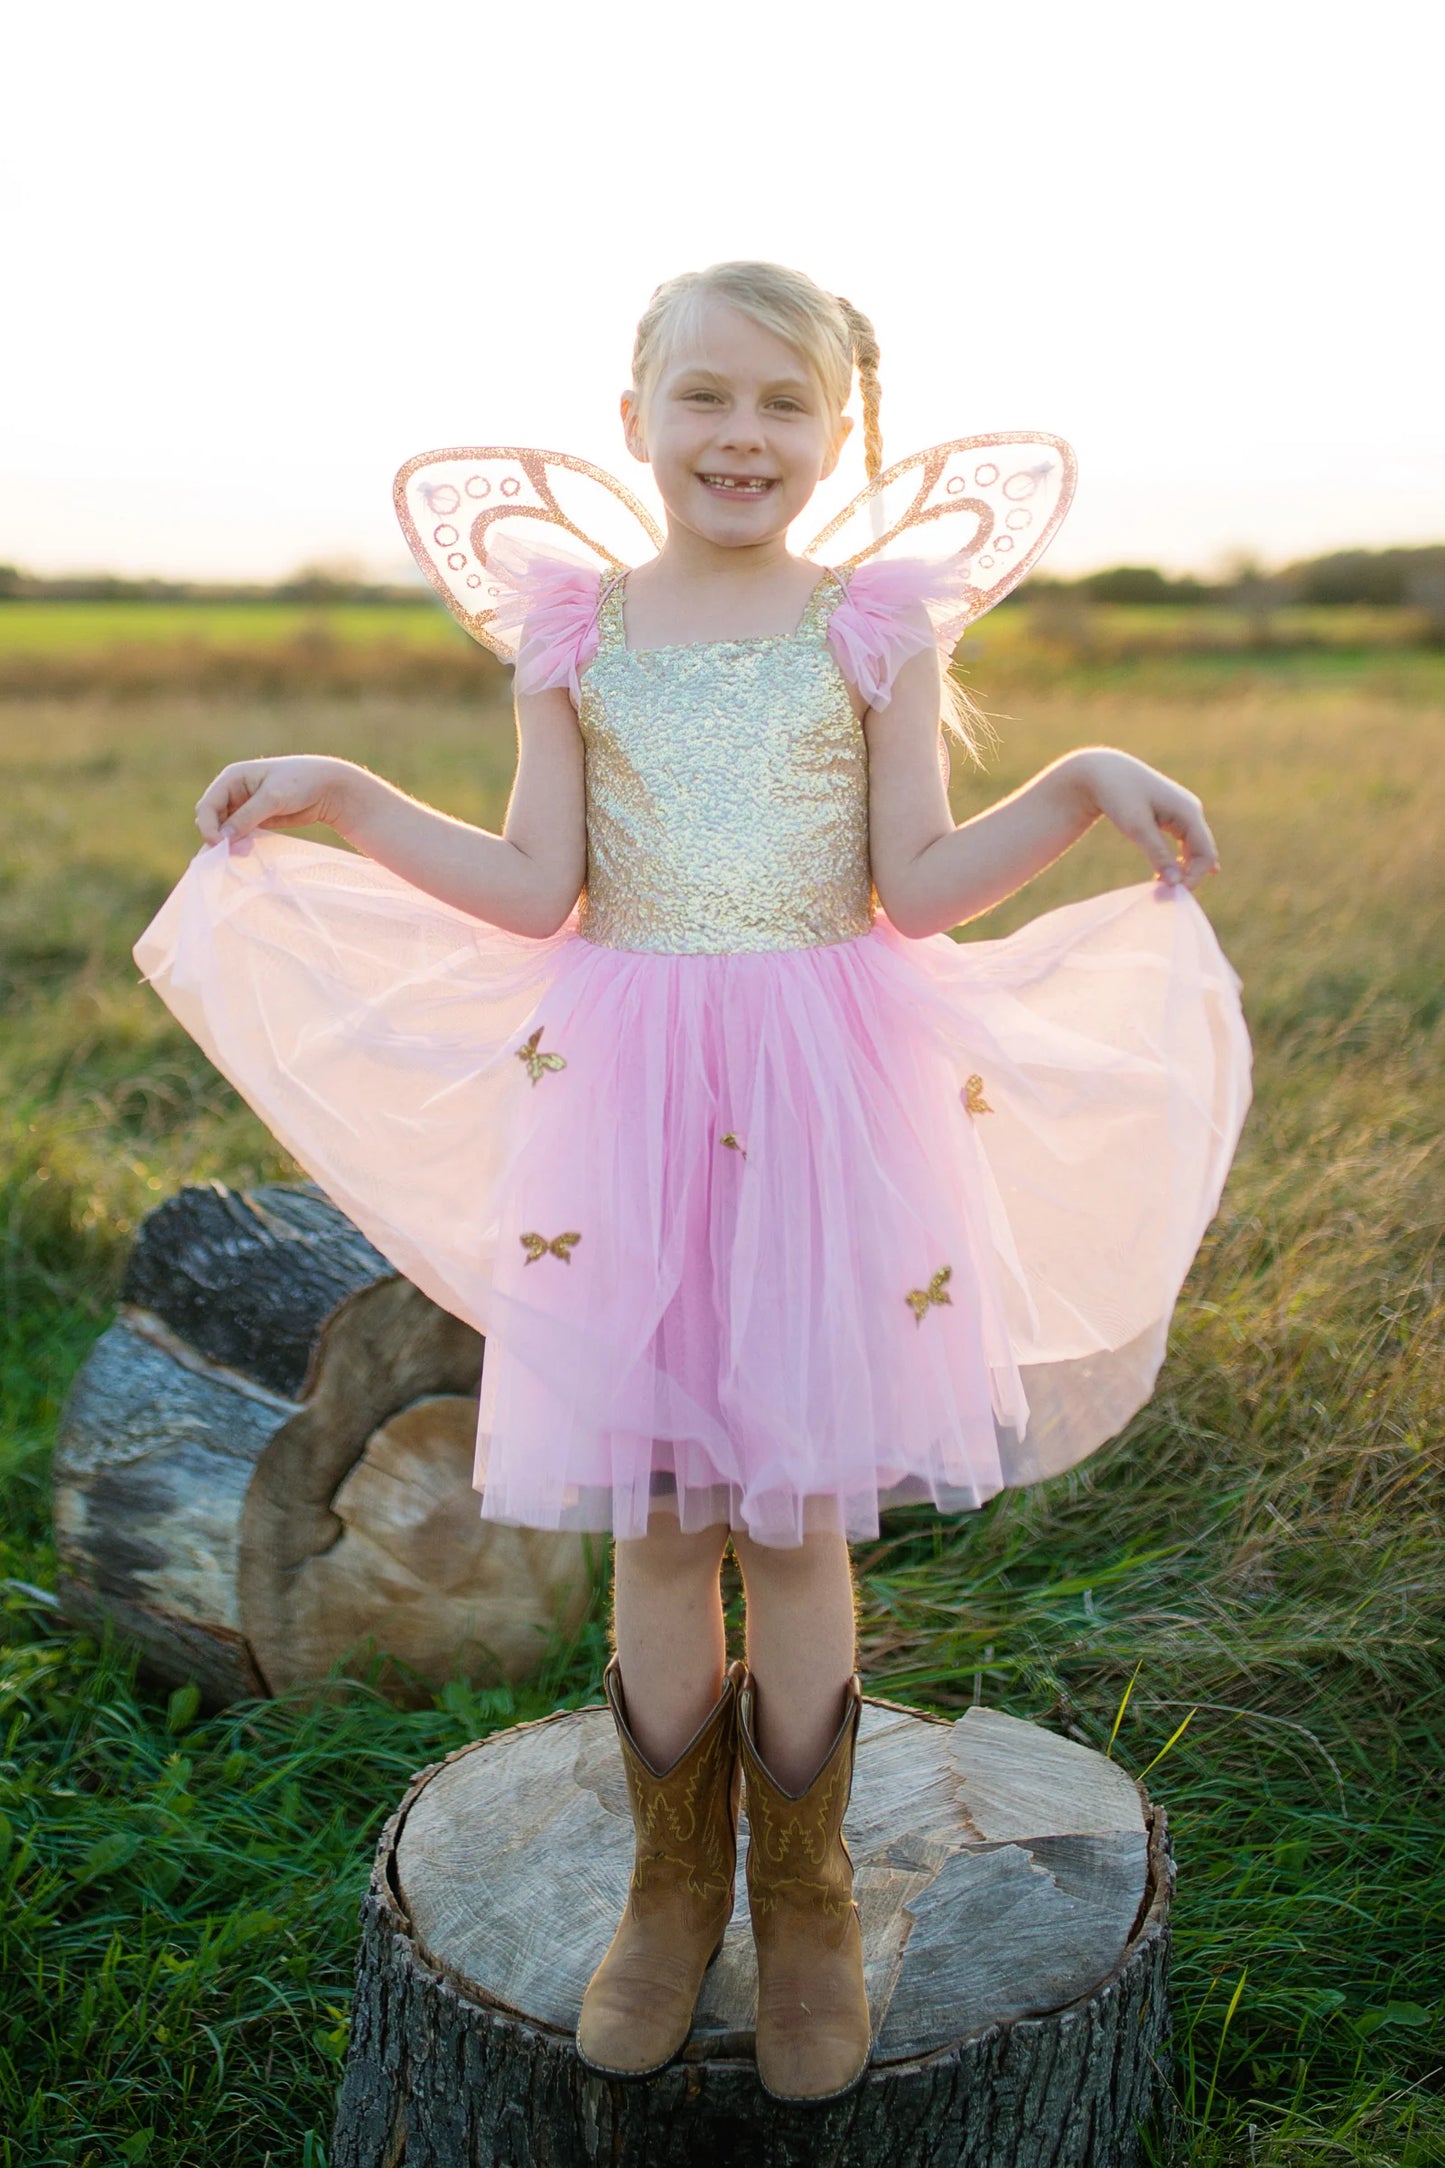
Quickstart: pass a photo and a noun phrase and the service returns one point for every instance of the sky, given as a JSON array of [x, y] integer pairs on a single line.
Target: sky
[[256, 257]]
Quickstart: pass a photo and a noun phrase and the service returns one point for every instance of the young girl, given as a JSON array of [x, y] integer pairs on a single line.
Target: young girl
[[776, 1206]]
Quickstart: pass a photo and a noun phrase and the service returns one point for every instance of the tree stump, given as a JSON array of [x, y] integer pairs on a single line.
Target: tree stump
[[267, 1460], [1014, 1892]]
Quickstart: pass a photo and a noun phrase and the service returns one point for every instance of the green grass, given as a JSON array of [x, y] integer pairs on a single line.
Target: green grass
[[135, 651], [40, 627], [45, 628], [141, 650], [177, 1919], [1156, 626]]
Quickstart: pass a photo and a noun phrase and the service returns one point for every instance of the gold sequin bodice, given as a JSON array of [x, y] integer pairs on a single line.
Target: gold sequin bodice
[[727, 792]]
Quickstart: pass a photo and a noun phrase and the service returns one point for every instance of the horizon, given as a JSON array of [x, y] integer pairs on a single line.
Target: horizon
[[406, 573]]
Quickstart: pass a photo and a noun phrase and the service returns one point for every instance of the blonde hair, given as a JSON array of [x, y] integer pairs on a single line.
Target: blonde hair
[[836, 341]]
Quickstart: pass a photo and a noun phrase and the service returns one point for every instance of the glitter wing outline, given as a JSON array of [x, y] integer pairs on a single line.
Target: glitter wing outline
[[451, 503], [1017, 484]]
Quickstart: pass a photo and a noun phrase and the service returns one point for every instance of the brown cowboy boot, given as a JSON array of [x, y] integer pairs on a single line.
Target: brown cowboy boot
[[637, 2011], [813, 2029]]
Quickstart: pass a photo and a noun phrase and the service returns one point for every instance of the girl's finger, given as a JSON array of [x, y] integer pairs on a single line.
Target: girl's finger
[[211, 809], [230, 789], [250, 813], [1201, 853], [1160, 850], [249, 789]]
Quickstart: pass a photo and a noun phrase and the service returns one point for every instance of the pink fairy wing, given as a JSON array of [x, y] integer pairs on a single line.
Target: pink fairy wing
[[979, 511], [482, 520]]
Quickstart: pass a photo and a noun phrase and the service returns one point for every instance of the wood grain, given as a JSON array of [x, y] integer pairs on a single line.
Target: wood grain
[[1013, 1889], [266, 1464]]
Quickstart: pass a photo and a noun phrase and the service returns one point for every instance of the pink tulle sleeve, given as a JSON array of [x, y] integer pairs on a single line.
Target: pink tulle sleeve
[[893, 608], [551, 601]]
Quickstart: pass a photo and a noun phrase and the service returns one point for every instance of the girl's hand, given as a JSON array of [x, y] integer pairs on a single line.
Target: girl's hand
[[293, 791], [1161, 816]]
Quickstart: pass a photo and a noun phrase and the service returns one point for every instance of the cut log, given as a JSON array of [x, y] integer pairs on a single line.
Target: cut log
[[266, 1463], [1014, 1891]]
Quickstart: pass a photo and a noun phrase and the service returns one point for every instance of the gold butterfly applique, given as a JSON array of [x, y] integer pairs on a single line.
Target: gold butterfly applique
[[536, 1062], [973, 1099], [919, 1298], [734, 1143], [560, 1246]]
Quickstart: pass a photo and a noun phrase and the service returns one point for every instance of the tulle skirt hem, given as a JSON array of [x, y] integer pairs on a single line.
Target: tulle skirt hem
[[773, 1239]]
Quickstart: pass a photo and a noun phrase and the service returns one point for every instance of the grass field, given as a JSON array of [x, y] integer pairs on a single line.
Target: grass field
[[1260, 1554], [135, 650], [50, 628], [47, 628]]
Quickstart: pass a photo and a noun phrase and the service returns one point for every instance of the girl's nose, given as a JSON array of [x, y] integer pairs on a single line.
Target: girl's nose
[[743, 430]]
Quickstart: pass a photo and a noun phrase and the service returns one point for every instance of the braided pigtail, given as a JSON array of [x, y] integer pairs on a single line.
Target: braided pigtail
[[870, 392], [959, 717]]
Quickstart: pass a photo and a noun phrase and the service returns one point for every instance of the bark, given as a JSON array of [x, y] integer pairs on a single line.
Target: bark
[[989, 2051], [266, 1464]]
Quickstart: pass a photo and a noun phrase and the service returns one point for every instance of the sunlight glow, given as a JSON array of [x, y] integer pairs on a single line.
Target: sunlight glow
[[262, 257]]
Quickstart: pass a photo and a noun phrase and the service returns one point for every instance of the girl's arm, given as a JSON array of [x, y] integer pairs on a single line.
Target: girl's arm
[[525, 880], [931, 874]]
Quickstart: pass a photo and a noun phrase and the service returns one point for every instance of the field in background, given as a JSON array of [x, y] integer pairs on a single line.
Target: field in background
[[103, 628], [1259, 1554], [136, 650]]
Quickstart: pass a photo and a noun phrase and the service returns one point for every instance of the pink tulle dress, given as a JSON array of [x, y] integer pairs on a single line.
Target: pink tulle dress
[[770, 1215]]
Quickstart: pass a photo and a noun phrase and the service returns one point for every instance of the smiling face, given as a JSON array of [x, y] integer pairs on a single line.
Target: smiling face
[[736, 429]]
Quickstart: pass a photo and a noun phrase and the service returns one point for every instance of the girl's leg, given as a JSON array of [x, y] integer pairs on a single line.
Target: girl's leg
[[668, 1625], [676, 1718], [797, 1729], [801, 1648]]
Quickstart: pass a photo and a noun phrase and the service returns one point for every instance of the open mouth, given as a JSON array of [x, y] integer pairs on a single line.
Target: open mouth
[[739, 485]]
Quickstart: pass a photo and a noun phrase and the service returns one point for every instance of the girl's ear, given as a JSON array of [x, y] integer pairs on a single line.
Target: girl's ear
[[845, 429], [632, 425]]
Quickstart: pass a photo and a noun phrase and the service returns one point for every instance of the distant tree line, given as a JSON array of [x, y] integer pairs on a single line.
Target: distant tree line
[[317, 586], [1388, 579]]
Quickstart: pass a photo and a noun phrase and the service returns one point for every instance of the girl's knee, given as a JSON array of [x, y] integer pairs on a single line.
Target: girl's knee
[[667, 1550], [821, 1554]]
